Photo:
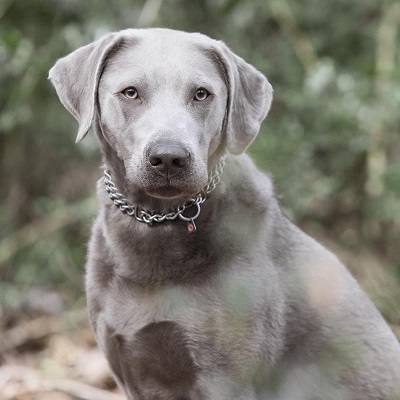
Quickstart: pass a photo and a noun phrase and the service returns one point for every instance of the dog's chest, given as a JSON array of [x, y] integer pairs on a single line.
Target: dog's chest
[[220, 322], [128, 310]]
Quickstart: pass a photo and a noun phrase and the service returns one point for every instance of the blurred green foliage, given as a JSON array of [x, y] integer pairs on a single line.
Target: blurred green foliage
[[331, 140]]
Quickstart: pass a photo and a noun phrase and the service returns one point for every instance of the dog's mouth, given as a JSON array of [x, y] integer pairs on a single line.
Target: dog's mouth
[[168, 192], [171, 188]]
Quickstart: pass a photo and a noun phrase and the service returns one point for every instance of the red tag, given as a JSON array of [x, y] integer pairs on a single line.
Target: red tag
[[191, 227]]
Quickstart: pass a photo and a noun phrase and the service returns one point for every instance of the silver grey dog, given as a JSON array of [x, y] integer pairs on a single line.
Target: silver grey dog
[[198, 286]]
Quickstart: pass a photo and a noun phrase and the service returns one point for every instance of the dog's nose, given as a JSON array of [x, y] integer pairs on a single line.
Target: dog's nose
[[168, 157]]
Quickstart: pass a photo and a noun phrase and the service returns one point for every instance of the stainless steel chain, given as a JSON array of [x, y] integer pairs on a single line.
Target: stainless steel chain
[[148, 217]]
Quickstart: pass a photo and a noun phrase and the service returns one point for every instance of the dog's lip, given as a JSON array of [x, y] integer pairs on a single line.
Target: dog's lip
[[168, 192]]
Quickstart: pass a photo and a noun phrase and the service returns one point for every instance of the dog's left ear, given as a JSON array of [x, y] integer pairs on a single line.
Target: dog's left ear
[[249, 100], [76, 78]]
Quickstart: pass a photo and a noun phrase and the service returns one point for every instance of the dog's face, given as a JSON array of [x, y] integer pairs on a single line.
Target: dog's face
[[167, 102], [162, 108]]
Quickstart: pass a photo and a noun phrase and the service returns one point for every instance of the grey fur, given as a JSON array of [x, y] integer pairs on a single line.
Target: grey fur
[[249, 306]]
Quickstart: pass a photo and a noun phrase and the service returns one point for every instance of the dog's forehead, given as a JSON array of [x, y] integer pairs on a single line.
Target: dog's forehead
[[160, 44], [162, 53]]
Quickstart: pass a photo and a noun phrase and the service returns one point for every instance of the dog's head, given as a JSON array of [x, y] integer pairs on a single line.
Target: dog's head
[[167, 102]]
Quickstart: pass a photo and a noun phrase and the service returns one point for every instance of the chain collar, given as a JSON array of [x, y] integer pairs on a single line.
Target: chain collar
[[149, 218]]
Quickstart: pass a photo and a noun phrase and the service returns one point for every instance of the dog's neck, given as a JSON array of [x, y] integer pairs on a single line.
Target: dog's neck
[[224, 228], [186, 257]]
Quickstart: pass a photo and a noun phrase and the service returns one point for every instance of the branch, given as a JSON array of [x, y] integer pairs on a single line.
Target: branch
[[36, 230], [300, 42], [82, 391], [4, 7], [37, 329], [385, 67], [20, 382], [149, 13]]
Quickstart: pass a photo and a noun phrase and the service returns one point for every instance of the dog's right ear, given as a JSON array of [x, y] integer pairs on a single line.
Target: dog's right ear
[[76, 78], [249, 99]]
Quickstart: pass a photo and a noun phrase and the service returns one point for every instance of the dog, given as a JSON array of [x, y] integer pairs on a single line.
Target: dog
[[198, 286]]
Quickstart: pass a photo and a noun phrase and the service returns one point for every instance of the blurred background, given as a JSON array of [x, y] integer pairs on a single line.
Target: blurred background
[[331, 142]]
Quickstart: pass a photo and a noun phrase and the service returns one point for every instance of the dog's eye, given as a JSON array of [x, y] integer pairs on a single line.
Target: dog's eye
[[201, 94], [130, 93]]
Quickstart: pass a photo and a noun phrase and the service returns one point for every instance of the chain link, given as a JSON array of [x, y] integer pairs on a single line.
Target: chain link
[[149, 217]]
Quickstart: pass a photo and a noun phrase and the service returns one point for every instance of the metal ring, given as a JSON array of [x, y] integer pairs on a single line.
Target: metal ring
[[187, 219], [130, 211]]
